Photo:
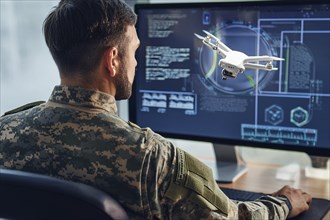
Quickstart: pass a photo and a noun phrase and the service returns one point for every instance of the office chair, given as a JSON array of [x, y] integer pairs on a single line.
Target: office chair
[[25, 195]]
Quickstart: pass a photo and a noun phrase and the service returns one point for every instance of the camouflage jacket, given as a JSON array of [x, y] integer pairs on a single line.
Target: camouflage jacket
[[77, 135]]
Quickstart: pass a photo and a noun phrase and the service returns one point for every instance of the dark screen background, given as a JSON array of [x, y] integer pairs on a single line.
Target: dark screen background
[[178, 87]]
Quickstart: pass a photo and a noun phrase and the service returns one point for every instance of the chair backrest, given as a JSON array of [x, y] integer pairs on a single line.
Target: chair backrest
[[25, 195]]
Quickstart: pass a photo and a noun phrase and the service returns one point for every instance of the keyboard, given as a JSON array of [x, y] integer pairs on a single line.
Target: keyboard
[[241, 195]]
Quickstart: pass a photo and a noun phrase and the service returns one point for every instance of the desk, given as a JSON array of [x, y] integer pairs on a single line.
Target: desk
[[261, 178]]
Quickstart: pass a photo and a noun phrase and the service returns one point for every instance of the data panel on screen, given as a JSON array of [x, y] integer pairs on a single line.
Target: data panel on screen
[[179, 91]]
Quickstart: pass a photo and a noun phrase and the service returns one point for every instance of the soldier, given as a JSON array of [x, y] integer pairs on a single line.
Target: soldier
[[77, 134]]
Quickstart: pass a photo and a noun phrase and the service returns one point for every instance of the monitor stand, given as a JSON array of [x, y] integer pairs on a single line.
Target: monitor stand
[[320, 168], [229, 163]]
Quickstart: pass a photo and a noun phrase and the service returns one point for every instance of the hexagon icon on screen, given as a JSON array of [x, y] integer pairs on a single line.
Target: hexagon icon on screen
[[274, 114], [299, 116]]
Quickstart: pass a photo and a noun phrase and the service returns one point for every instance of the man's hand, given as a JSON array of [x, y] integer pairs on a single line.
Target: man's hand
[[299, 200]]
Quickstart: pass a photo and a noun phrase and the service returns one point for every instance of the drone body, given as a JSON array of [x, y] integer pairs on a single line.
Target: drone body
[[234, 62]]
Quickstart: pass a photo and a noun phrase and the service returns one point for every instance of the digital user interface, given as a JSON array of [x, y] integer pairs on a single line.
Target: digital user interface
[[179, 88]]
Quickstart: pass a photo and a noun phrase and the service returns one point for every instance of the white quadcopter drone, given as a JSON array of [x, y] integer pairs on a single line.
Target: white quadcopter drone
[[235, 62]]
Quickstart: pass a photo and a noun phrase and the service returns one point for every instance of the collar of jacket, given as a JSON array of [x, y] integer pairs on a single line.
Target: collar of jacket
[[81, 97]]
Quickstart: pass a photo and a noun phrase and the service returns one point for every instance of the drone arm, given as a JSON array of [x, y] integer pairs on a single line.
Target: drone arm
[[259, 66], [261, 58], [223, 46]]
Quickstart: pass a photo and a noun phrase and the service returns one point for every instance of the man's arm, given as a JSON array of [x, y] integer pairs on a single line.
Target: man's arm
[[192, 180], [187, 190]]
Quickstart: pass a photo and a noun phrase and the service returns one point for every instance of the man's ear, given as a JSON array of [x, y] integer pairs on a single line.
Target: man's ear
[[111, 61]]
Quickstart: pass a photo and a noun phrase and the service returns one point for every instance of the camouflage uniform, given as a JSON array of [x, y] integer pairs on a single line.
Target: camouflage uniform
[[77, 135]]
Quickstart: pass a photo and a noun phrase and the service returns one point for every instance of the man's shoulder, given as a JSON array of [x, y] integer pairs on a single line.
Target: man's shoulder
[[151, 138], [133, 125], [23, 108]]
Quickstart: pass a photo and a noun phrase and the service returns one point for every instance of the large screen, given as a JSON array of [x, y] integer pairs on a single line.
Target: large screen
[[179, 91]]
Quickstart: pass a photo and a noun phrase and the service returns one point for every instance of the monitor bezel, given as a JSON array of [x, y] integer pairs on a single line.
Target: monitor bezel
[[132, 103]]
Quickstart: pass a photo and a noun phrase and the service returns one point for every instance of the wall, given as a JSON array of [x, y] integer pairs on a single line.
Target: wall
[[28, 72]]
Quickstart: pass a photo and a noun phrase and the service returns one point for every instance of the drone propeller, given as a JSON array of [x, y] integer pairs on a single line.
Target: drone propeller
[[199, 36], [208, 41], [218, 42], [213, 42]]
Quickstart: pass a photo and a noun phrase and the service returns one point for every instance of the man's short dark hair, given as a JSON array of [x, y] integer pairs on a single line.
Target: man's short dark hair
[[77, 32]]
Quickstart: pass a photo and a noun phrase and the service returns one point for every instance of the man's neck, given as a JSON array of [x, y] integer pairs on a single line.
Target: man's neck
[[97, 85]]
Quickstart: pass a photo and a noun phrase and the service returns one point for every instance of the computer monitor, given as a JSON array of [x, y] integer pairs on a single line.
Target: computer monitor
[[179, 91]]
